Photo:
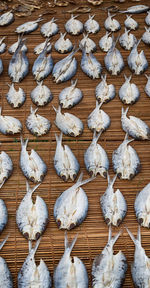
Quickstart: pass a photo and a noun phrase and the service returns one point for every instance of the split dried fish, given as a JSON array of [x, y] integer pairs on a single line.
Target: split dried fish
[[65, 162], [5, 274], [129, 92], [105, 43], [142, 207], [113, 204], [146, 36], [70, 96], [137, 61], [113, 60], [6, 167], [32, 165], [130, 23], [2, 45], [74, 26], [105, 92], [50, 28], [6, 18], [9, 125], [147, 87], [147, 19], [40, 47], [41, 94], [91, 25], [32, 217], [63, 45], [111, 25], [13, 47], [137, 9], [127, 40], [15, 98], [88, 44], [28, 27]]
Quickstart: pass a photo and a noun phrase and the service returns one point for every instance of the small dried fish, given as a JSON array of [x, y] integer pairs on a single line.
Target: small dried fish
[[141, 206], [95, 2], [80, 9], [147, 19], [127, 40], [14, 46], [15, 98], [70, 96], [137, 9], [65, 162], [28, 27], [134, 126], [50, 28], [40, 47], [9, 125], [129, 92], [98, 120], [95, 158], [146, 36], [88, 43], [113, 204], [113, 60], [104, 92], [2, 45], [137, 61], [105, 43], [74, 26], [6, 18], [147, 87], [130, 23], [61, 3], [111, 25], [70, 271], [5, 274], [32, 166], [91, 25], [6, 167], [41, 94], [63, 45]]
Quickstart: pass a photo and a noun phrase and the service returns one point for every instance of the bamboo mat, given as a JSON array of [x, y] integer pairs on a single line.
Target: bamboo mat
[[93, 233]]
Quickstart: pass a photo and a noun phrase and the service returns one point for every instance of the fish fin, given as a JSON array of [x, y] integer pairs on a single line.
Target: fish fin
[[32, 110], [24, 143], [113, 180], [124, 111], [113, 15], [97, 136], [84, 181], [3, 242], [74, 82], [131, 235], [148, 77], [29, 189], [80, 178], [115, 238], [71, 245], [74, 16], [1, 185], [139, 234], [91, 16], [39, 19], [57, 110], [58, 138], [36, 246], [127, 78]]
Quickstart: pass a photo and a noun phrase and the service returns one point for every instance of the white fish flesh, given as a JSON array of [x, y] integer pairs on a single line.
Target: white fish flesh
[[98, 120], [41, 94], [126, 162], [129, 92], [50, 28], [2, 45], [3, 215], [106, 42], [65, 162], [28, 27], [15, 98], [142, 206], [130, 23], [6, 167], [5, 274], [70, 271], [91, 25], [95, 158], [14, 46], [135, 127], [32, 217], [6, 18], [105, 92], [137, 61], [74, 26], [9, 125], [147, 18], [109, 267], [127, 40], [140, 269], [111, 25], [40, 47], [70, 96], [65, 69], [37, 124], [137, 9], [90, 65], [113, 204], [88, 43], [113, 60], [33, 275], [146, 36], [68, 123], [147, 87], [63, 45], [71, 207], [32, 165]]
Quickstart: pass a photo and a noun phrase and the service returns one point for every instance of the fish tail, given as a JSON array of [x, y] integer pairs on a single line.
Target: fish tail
[[29, 189], [3, 242], [96, 137], [74, 82], [33, 250], [111, 182], [1, 185], [131, 235], [58, 138], [33, 111], [124, 111], [24, 143], [71, 245], [115, 238]]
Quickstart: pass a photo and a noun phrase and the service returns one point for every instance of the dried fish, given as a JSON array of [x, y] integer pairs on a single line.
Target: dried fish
[[50, 28], [147, 87], [3, 216], [98, 120], [95, 2], [15, 98], [127, 40], [137, 61], [5, 274], [74, 26], [9, 125], [105, 43], [147, 19], [91, 25], [63, 45], [13, 47], [80, 9], [6, 18], [129, 92], [146, 36], [141, 206], [130, 23], [137, 9], [88, 43], [113, 60], [104, 92], [2, 45], [112, 25], [41, 94], [28, 27], [61, 3], [40, 47], [70, 96], [6, 167]]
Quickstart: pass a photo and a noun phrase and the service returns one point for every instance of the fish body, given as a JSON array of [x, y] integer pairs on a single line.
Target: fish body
[[6, 18], [109, 269], [33, 275], [70, 96], [32, 165], [65, 162], [3, 215], [146, 36], [50, 28], [113, 204], [104, 92], [142, 206], [130, 23], [91, 25], [37, 124], [113, 60], [127, 40], [95, 158], [90, 65], [136, 9], [5, 274], [39, 48], [68, 123], [63, 45], [98, 120], [9, 125], [6, 167], [106, 42], [137, 61], [135, 127], [41, 94], [28, 27], [32, 217], [74, 26], [1, 66], [111, 25], [147, 18], [15, 98], [147, 87], [70, 271], [129, 92], [14, 46], [88, 43], [2, 45]]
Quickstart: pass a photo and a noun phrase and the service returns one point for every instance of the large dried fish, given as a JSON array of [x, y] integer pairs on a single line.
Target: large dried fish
[[5, 274], [142, 207], [28, 27], [91, 25], [74, 26], [130, 23], [137, 61], [105, 43], [70, 96], [111, 25], [6, 18], [137, 9], [63, 45], [105, 92], [6, 167], [88, 44], [113, 60], [50, 28], [41, 94], [129, 92], [15, 98], [127, 40]]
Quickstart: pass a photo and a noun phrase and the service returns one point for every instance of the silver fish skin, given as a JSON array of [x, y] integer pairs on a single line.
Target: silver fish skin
[[50, 28], [6, 167], [32, 165], [129, 92], [39, 48], [9, 125], [127, 40], [106, 42], [91, 25], [71, 207], [135, 127], [113, 204], [65, 162], [5, 274], [15, 98], [6, 18], [37, 124], [33, 275], [41, 95], [95, 158], [113, 60], [146, 36], [137, 62], [68, 123], [1, 66], [109, 268], [2, 45], [32, 217], [70, 271], [3, 215], [130, 23], [63, 45], [140, 267], [147, 87], [136, 9], [104, 92], [88, 43], [65, 69], [98, 120], [74, 26], [70, 96], [111, 25], [28, 27], [147, 18], [90, 65], [14, 46], [142, 206], [125, 160]]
